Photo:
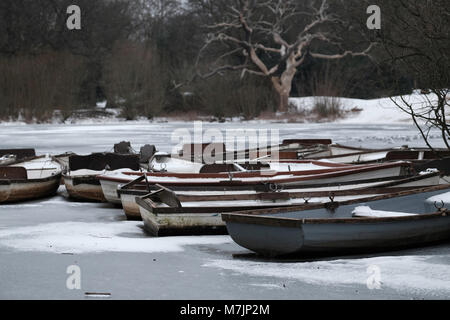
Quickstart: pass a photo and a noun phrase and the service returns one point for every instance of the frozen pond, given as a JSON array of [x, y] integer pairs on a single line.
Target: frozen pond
[[87, 138], [39, 240]]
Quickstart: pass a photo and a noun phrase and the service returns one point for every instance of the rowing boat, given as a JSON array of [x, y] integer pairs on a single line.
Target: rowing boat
[[205, 152], [165, 213], [81, 178], [387, 222], [286, 197], [332, 174], [11, 156], [176, 219], [36, 178]]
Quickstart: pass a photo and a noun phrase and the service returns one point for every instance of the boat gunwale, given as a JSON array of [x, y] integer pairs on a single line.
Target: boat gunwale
[[264, 186], [343, 155], [296, 223], [23, 181], [384, 188], [291, 179], [259, 213], [91, 179]]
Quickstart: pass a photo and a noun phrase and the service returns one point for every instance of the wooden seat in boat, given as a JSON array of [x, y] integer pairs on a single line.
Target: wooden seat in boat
[[13, 173]]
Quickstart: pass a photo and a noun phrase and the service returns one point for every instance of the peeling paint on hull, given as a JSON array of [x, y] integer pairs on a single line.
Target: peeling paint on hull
[[130, 207], [109, 190]]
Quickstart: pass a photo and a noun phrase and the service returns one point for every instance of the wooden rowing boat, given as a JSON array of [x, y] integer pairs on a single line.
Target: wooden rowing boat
[[334, 173], [313, 149], [378, 223], [164, 213], [287, 197], [174, 219], [32, 179], [164, 162], [81, 178], [205, 152]]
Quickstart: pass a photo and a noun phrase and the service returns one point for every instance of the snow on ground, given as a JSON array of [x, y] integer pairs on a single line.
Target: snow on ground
[[357, 111], [101, 104], [381, 111], [82, 237], [417, 273]]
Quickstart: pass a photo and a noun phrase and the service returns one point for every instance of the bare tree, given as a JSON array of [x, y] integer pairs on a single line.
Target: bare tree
[[416, 39], [264, 38]]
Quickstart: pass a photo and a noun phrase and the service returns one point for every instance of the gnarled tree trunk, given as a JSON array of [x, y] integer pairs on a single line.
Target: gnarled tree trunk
[[283, 84]]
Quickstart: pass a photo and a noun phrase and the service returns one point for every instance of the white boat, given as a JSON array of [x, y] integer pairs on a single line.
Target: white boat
[[332, 174], [32, 179]]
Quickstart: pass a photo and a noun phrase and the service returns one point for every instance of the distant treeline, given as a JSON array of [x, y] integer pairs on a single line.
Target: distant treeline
[[134, 53]]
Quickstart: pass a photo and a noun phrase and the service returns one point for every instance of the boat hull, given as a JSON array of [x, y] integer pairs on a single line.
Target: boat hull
[[158, 225], [332, 229], [109, 190], [130, 207], [86, 188], [339, 238], [313, 195], [22, 190]]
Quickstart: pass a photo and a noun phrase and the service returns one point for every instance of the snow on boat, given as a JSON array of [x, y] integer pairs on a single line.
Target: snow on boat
[[81, 178], [319, 194], [7, 159], [164, 213], [320, 173], [11, 156], [28, 180], [379, 223]]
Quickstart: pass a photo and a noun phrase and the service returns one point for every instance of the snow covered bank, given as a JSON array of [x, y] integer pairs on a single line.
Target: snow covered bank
[[373, 111], [356, 111]]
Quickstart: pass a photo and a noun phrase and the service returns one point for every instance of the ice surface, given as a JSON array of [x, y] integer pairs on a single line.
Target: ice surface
[[84, 139], [418, 273], [80, 237]]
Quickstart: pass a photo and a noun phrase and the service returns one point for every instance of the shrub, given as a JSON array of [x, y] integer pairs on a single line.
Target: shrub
[[135, 80], [327, 107], [34, 86]]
